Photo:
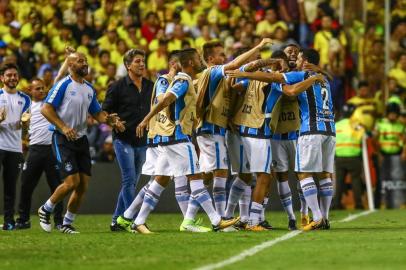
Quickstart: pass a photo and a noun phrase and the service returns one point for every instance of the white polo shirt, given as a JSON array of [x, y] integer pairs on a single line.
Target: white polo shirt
[[39, 126], [10, 129], [72, 102]]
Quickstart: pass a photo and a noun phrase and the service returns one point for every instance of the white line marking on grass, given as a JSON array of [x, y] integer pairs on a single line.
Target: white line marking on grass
[[255, 249], [249, 252], [352, 217]]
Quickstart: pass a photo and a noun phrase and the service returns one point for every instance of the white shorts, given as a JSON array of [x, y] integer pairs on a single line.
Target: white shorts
[[283, 155], [315, 153], [177, 160], [249, 155], [151, 157], [213, 153]]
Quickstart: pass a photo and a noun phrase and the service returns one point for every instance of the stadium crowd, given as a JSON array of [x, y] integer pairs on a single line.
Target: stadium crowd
[[34, 35]]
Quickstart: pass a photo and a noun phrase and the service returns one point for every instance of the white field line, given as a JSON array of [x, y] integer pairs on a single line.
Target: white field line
[[255, 249], [352, 217]]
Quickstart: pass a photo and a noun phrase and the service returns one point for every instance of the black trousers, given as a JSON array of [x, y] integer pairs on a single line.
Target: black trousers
[[40, 159], [10, 164], [353, 166]]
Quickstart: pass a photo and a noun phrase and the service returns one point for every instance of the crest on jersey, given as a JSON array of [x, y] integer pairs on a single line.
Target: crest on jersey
[[68, 166], [89, 96], [20, 102], [164, 82], [197, 165]]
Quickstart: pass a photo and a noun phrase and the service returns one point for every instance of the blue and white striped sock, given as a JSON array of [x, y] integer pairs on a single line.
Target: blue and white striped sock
[[285, 194], [192, 208], [68, 218], [264, 205], [135, 206], [310, 193], [304, 209], [219, 195], [244, 204], [151, 199], [182, 193], [202, 196], [326, 196], [255, 213], [49, 206], [236, 191]]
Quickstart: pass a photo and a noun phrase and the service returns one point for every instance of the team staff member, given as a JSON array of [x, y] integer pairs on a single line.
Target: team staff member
[[66, 108], [390, 139], [130, 98], [348, 156], [39, 159], [13, 107]]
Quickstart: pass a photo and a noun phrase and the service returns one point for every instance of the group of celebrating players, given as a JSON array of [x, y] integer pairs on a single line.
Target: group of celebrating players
[[251, 120]]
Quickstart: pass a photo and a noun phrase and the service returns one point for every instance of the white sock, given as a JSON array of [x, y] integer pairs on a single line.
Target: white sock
[[236, 191], [285, 195], [255, 213], [135, 206], [49, 206], [310, 193], [192, 208], [151, 199], [219, 195], [326, 196], [202, 196], [182, 193], [244, 204], [304, 209], [264, 205], [68, 218]]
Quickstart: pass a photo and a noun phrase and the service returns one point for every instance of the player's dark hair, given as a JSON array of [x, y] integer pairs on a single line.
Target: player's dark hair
[[186, 55], [311, 55], [279, 54], [208, 49], [291, 45], [173, 55], [8, 66]]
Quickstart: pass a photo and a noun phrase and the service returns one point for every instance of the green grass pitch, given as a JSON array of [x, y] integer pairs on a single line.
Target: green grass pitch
[[375, 241]]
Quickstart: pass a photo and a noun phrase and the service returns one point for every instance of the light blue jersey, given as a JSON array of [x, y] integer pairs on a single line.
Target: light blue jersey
[[272, 92], [179, 88], [316, 106], [216, 74], [161, 85]]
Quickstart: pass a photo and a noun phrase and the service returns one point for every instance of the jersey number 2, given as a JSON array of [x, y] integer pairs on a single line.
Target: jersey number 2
[[324, 96]]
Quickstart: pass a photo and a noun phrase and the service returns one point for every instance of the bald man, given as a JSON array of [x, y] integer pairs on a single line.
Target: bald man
[[66, 107]]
